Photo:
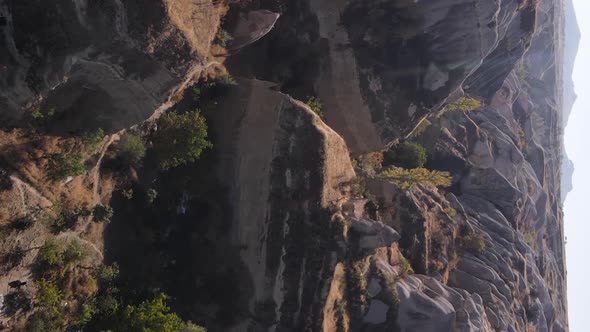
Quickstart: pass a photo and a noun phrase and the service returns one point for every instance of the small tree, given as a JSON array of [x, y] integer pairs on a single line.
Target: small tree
[[223, 37], [464, 103], [473, 242], [74, 252], [62, 165], [107, 274], [49, 256], [316, 106], [127, 193], [180, 139], [102, 213], [190, 327], [107, 304], [406, 155], [93, 138], [131, 148], [404, 178], [60, 217], [151, 316], [49, 296]]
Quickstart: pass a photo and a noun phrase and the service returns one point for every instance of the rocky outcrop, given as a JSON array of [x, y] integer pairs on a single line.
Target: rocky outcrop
[[252, 26], [107, 64], [288, 175]]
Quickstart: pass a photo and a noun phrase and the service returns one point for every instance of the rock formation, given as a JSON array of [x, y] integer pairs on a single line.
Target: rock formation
[[283, 225]]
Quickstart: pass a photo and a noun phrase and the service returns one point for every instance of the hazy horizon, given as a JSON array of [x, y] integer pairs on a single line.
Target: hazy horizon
[[575, 206]]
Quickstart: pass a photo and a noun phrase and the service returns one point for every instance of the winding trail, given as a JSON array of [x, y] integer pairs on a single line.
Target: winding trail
[[95, 173], [22, 186]]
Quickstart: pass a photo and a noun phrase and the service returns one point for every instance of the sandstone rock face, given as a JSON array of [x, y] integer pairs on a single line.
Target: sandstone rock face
[[288, 176], [252, 26], [106, 64]]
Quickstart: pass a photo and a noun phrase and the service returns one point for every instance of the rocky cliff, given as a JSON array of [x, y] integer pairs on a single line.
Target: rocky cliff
[[285, 224]]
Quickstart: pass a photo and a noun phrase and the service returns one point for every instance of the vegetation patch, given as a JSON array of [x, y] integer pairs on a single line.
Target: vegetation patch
[[62, 165], [405, 267], [131, 148], [180, 139], [102, 213], [316, 106], [473, 242], [406, 155], [464, 103], [405, 178], [223, 38], [93, 138]]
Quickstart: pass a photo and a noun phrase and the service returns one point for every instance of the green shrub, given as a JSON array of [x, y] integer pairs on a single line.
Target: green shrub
[[102, 213], [180, 139], [370, 163], [464, 103], [84, 314], [153, 315], [93, 138], [404, 178], [473, 242], [49, 256], [530, 238], [190, 327], [107, 304], [59, 218], [223, 38], [405, 267], [74, 253], [406, 155], [62, 165], [41, 114], [522, 141], [316, 106], [49, 296], [131, 148], [450, 211], [107, 274], [127, 193]]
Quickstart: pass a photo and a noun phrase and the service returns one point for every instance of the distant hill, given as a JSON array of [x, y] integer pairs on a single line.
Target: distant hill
[[572, 41]]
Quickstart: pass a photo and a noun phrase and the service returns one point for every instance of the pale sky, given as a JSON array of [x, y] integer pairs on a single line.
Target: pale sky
[[577, 204]]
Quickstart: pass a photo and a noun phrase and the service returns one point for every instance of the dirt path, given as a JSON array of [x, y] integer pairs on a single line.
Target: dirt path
[[95, 173], [25, 190]]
